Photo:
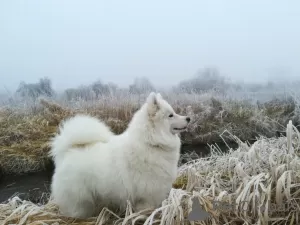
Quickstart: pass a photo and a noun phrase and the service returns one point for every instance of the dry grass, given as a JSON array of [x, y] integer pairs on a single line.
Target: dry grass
[[25, 131], [262, 181]]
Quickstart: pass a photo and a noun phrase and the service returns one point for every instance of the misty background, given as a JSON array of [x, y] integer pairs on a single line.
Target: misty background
[[76, 43]]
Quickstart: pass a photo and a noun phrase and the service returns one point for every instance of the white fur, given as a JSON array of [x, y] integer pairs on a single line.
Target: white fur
[[73, 132], [106, 170]]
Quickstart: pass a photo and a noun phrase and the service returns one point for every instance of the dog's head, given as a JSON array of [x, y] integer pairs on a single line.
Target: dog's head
[[163, 116]]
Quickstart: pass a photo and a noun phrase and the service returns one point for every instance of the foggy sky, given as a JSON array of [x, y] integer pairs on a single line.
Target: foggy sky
[[77, 42]]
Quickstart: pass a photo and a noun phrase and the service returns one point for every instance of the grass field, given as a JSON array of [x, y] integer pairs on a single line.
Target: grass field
[[268, 170], [25, 129], [257, 184]]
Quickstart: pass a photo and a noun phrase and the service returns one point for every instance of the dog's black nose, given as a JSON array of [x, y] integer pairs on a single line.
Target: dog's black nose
[[188, 119]]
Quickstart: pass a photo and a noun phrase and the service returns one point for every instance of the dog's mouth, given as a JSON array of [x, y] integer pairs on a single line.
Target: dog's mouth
[[179, 129]]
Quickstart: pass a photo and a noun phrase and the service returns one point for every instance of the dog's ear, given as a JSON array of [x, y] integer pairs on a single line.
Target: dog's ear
[[159, 96], [153, 103], [152, 99]]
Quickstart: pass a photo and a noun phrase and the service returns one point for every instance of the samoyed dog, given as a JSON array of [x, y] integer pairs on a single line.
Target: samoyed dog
[[94, 168]]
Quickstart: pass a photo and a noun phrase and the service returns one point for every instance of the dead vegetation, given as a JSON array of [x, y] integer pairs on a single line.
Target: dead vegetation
[[25, 133], [253, 184]]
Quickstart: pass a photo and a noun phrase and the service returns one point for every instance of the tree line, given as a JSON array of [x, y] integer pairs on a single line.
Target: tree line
[[205, 80]]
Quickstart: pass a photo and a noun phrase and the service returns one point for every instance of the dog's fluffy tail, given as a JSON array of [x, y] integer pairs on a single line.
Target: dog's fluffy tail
[[77, 131]]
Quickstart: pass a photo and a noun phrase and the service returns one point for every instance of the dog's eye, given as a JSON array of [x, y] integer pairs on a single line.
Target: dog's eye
[[171, 115]]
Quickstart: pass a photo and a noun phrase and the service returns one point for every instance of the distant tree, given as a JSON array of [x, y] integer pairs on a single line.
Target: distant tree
[[70, 94], [112, 87], [45, 85], [141, 85], [270, 85], [237, 87], [255, 87], [103, 89], [81, 93], [99, 88], [206, 79], [95, 90], [42, 88]]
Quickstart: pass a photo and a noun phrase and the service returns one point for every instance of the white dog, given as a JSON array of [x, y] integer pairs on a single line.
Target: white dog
[[96, 169]]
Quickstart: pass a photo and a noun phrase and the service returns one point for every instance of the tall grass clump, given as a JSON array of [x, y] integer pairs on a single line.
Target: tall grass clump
[[253, 184]]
